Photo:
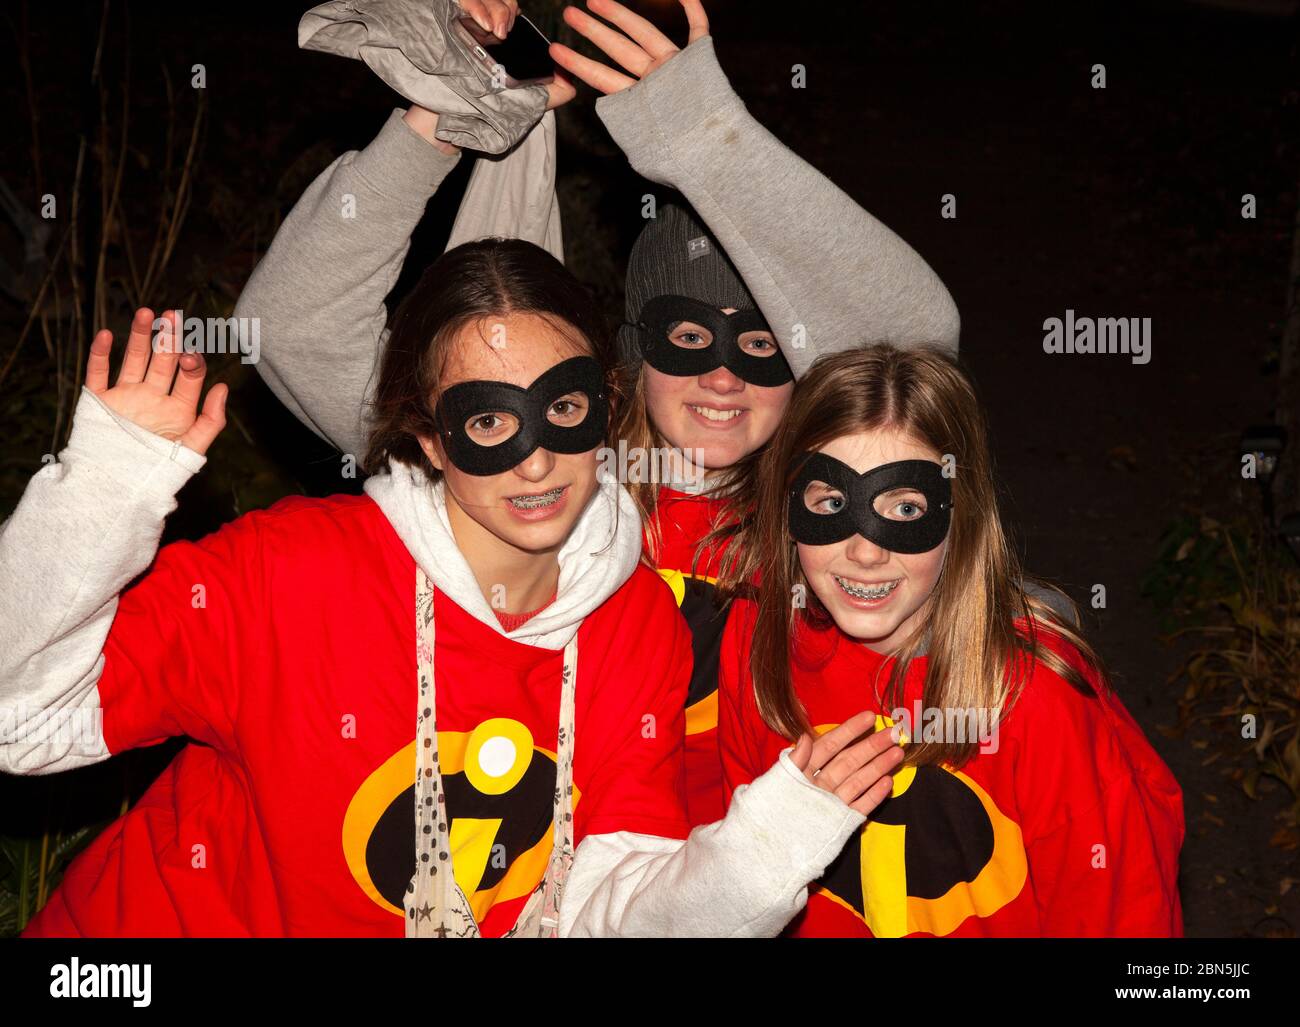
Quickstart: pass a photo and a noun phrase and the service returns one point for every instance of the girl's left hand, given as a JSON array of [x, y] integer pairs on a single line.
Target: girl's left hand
[[158, 385], [646, 50]]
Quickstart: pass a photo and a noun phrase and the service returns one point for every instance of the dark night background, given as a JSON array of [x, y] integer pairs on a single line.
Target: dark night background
[[1115, 202]]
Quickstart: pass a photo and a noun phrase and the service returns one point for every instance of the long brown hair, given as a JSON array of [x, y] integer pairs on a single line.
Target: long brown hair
[[978, 633], [473, 282]]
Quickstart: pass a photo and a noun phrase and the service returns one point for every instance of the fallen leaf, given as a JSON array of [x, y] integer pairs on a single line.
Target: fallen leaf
[[1284, 838]]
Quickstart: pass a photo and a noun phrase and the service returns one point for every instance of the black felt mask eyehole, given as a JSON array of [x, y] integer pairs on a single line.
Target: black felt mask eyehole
[[662, 314], [526, 425], [859, 515]]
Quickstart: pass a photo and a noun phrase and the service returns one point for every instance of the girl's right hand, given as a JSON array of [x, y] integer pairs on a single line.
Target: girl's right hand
[[858, 773], [498, 17], [495, 16], [150, 392]]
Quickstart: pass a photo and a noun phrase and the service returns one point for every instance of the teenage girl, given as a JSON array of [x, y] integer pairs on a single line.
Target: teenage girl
[[1030, 802]]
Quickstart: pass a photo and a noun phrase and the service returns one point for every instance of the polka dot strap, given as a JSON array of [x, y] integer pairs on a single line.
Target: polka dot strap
[[434, 904]]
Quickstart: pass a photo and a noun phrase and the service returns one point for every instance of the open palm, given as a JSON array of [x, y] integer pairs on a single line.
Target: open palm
[[643, 49], [158, 388]]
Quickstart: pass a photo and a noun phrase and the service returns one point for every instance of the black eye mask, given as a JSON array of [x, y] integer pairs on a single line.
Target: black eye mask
[[859, 515], [662, 314], [466, 400]]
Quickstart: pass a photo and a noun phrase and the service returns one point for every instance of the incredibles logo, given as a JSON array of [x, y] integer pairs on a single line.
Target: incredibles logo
[[499, 790], [697, 598], [937, 851]]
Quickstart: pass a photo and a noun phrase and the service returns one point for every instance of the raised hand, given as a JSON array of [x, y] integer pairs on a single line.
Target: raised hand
[[858, 772], [498, 18], [643, 49], [495, 16], [149, 390]]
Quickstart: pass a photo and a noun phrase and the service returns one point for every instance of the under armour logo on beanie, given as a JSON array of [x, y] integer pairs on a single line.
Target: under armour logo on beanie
[[675, 255]]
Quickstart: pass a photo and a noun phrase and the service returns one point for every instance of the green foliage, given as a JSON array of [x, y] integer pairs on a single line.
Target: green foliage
[[30, 869], [1192, 569]]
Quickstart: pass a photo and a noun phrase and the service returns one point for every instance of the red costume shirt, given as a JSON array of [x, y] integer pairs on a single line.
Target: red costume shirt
[[284, 647], [684, 520], [1071, 827]]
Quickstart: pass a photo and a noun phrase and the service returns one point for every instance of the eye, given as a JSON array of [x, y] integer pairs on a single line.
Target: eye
[[820, 498], [759, 344], [901, 505], [488, 429], [689, 335], [569, 410]]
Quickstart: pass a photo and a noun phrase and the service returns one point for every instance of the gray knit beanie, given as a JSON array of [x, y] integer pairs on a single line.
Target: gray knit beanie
[[675, 255]]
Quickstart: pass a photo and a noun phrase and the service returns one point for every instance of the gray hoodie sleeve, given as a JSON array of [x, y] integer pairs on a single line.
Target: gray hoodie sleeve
[[810, 255], [318, 293], [744, 876], [85, 526]]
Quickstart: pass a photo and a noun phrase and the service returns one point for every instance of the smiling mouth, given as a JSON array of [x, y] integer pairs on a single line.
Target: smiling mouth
[[714, 414], [537, 501], [860, 591]]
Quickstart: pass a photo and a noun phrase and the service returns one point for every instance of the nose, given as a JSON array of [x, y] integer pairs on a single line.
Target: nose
[[865, 553], [536, 465], [721, 381]]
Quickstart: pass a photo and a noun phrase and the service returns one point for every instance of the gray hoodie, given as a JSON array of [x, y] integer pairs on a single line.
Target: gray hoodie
[[825, 273]]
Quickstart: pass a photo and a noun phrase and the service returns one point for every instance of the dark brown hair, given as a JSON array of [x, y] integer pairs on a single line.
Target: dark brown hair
[[489, 278]]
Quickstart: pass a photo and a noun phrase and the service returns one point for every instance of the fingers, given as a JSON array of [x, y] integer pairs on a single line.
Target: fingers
[[616, 45], [97, 366], [862, 780], [559, 91], [826, 746], [166, 351], [593, 73], [494, 16], [873, 796], [207, 426], [651, 40], [189, 382], [801, 752], [136, 361], [847, 762], [502, 17], [696, 19]]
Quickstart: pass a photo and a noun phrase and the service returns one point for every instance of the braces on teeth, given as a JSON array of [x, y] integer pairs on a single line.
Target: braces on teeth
[[859, 592], [533, 502]]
